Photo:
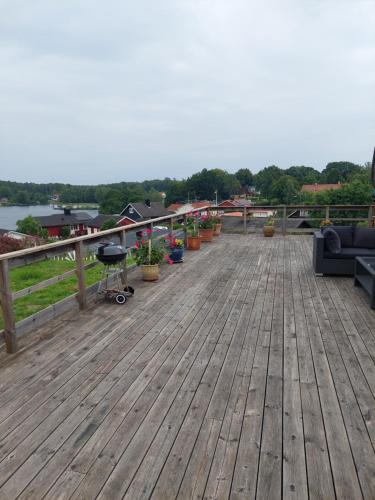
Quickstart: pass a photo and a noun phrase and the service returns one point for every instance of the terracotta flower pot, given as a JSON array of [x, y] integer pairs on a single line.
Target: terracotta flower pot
[[193, 243], [268, 231], [150, 272], [217, 229], [206, 234]]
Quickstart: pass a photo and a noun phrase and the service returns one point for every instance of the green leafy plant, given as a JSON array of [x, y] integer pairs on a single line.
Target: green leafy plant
[[108, 224], [192, 227], [270, 221], [206, 222], [65, 232], [149, 252]]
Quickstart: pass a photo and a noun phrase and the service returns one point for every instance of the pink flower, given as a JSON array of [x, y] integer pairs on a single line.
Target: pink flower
[[143, 242], [158, 230], [148, 231], [137, 245]]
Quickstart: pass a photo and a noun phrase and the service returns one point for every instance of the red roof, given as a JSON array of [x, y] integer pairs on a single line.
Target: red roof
[[316, 188], [201, 204], [174, 207]]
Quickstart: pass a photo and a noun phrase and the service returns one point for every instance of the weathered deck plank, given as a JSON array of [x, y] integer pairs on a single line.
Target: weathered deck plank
[[239, 375]]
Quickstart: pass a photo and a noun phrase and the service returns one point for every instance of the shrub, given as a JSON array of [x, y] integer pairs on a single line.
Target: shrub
[[9, 244]]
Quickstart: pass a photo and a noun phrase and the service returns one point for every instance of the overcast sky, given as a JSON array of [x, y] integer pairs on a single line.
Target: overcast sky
[[103, 91]]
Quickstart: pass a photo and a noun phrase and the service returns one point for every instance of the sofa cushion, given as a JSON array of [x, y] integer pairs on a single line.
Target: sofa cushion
[[350, 253], [332, 240], [346, 234], [364, 237]]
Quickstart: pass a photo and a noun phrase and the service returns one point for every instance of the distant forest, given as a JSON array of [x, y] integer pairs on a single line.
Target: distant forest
[[270, 185]]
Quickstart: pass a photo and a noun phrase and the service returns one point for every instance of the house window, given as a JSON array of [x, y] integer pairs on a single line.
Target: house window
[[131, 210]]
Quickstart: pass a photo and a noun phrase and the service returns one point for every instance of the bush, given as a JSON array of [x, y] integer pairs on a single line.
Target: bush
[[9, 244]]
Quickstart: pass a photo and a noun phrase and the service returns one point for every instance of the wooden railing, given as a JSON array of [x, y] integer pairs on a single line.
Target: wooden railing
[[12, 330], [283, 212]]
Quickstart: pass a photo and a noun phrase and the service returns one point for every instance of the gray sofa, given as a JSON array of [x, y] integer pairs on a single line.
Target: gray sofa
[[355, 242]]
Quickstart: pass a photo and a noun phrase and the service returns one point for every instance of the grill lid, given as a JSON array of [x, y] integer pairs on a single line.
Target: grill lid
[[110, 249], [110, 253]]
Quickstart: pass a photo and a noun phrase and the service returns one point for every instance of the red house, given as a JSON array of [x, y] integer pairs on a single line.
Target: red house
[[75, 222]]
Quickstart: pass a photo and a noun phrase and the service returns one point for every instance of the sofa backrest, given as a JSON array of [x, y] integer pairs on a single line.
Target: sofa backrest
[[346, 234], [364, 237]]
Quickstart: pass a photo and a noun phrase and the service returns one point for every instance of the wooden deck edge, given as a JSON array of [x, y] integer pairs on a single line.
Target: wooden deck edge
[[51, 312]]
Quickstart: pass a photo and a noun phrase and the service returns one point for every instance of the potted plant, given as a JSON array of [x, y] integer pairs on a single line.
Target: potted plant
[[325, 223], [148, 255], [176, 250], [206, 229], [269, 228], [193, 239], [217, 225]]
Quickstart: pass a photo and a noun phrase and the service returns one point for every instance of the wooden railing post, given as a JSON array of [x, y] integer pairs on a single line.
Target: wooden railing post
[[244, 220], [370, 215], [7, 308], [124, 269], [185, 230], [171, 228], [327, 212], [80, 270], [284, 220]]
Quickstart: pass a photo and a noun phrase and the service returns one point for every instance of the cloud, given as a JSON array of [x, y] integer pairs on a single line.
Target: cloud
[[101, 92]]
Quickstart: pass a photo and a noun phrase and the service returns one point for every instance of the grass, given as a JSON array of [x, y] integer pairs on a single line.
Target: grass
[[26, 276]]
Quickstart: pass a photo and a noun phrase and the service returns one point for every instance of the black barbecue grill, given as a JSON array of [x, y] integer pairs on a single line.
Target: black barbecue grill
[[109, 253], [112, 256]]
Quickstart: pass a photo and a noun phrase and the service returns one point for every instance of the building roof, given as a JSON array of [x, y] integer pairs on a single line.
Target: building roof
[[56, 220], [173, 207], [317, 188], [100, 219], [156, 209], [201, 204], [237, 203]]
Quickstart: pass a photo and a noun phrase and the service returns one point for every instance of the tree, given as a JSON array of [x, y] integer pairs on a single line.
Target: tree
[[177, 192], [304, 175], [108, 224], [245, 177], [31, 226], [285, 189], [203, 185], [264, 178], [65, 232], [113, 202], [339, 171]]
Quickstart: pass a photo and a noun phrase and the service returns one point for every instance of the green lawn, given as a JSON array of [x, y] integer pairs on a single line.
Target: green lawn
[[25, 276]]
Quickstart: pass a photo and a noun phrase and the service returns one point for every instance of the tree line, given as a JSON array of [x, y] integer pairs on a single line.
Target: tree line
[[271, 185]]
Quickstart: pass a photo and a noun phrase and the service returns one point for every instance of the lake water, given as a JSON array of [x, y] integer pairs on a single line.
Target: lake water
[[10, 215]]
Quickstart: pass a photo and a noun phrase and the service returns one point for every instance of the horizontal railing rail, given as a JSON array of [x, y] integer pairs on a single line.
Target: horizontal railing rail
[[12, 331], [328, 213]]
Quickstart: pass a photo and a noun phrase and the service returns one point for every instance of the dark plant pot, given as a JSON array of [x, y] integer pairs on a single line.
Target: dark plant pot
[[176, 255]]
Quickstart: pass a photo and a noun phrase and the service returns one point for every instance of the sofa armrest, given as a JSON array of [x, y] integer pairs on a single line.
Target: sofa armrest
[[318, 252]]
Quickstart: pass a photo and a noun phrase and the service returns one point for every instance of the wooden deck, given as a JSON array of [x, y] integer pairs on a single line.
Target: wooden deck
[[238, 375]]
